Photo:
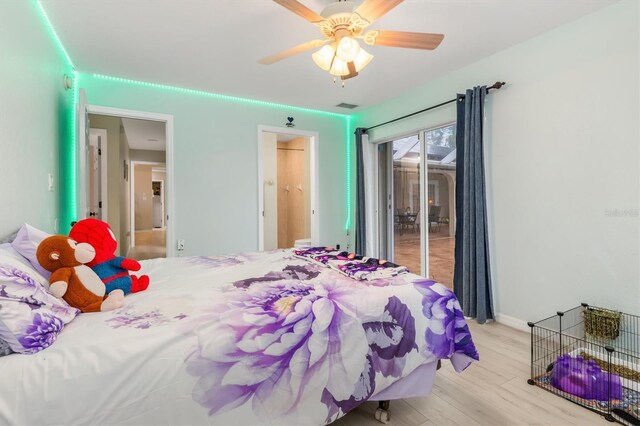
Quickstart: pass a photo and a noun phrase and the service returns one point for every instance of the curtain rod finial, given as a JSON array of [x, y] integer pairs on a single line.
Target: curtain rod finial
[[498, 84]]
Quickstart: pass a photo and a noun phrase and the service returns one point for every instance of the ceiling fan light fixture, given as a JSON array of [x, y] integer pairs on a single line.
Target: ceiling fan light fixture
[[324, 56], [348, 49], [341, 23], [362, 60], [339, 67]]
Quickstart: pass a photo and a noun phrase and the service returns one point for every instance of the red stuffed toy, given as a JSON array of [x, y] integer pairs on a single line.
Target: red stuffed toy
[[113, 270]]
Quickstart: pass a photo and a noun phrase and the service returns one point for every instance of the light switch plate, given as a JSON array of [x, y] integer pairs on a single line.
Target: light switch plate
[[50, 182]]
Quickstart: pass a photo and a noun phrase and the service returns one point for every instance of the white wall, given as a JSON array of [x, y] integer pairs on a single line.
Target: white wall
[[157, 175], [216, 194], [143, 197], [270, 174], [148, 155], [33, 119], [560, 234]]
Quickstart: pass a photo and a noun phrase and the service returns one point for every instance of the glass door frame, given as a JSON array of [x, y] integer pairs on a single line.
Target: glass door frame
[[387, 252], [424, 181]]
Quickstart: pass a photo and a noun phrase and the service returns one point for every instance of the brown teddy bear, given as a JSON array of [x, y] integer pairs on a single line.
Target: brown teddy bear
[[71, 279]]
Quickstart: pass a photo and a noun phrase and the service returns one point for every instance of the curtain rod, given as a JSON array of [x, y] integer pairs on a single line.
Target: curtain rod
[[496, 85]]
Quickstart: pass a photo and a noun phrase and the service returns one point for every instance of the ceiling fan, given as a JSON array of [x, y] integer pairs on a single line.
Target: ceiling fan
[[342, 24]]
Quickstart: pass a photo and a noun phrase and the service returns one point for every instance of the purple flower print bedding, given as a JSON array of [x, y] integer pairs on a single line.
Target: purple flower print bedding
[[352, 265], [257, 338], [30, 318]]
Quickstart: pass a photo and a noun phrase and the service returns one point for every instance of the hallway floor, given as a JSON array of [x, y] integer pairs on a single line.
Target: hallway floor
[[149, 244]]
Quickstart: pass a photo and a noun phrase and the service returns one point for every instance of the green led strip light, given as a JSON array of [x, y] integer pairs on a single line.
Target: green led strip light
[[68, 154], [68, 179], [218, 96], [54, 34], [71, 165]]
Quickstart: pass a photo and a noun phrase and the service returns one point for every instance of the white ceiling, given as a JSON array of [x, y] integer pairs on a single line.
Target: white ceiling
[[145, 134], [215, 45]]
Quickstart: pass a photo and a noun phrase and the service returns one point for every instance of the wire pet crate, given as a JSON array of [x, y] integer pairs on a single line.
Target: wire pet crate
[[590, 356]]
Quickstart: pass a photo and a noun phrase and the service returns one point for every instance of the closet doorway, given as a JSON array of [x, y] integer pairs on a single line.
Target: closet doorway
[[287, 188]]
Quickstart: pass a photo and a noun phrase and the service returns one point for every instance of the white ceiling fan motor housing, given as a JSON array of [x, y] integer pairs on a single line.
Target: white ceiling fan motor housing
[[338, 8]]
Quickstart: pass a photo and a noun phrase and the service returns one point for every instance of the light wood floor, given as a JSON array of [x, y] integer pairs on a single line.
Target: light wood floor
[[149, 244], [493, 391], [441, 253]]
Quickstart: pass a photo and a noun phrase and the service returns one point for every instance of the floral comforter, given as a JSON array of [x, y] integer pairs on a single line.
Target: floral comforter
[[257, 338]]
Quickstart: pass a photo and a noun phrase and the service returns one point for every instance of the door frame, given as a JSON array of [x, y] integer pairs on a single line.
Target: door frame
[[104, 171], [424, 180], [424, 237], [169, 161], [314, 141], [388, 203]]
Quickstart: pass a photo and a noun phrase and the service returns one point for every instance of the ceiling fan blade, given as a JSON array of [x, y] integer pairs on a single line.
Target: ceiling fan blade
[[372, 10], [301, 10], [292, 51], [409, 40]]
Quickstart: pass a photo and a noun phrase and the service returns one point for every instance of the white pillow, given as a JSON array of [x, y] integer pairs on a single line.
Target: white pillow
[[9, 256], [26, 243]]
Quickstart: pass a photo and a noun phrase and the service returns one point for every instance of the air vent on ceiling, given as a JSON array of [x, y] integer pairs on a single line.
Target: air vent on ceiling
[[348, 106], [153, 140]]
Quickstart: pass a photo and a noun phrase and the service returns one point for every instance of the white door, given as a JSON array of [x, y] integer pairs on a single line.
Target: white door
[[94, 161], [82, 159]]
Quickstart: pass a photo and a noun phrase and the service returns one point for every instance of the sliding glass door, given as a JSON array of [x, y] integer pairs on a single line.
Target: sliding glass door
[[400, 200], [441, 175], [416, 202]]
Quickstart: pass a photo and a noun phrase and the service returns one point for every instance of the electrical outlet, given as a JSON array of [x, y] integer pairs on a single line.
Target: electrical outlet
[[50, 182], [337, 246], [180, 244]]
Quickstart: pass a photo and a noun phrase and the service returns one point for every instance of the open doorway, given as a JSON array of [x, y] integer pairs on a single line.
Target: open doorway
[[148, 207], [287, 188], [135, 197]]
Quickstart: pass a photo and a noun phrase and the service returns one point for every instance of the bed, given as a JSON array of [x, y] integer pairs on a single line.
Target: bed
[[244, 339]]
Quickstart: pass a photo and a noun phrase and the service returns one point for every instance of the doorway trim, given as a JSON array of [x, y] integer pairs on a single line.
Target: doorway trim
[[104, 171], [314, 140], [170, 218]]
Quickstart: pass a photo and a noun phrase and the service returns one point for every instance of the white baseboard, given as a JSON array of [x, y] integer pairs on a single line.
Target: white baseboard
[[512, 322]]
